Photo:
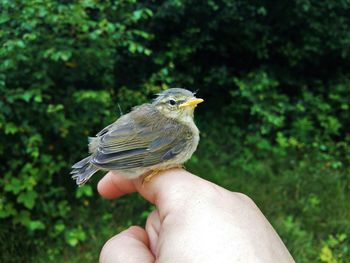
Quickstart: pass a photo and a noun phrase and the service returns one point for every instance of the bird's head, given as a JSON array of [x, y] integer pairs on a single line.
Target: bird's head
[[177, 104]]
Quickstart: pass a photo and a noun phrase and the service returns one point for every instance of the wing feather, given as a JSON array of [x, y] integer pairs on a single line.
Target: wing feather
[[134, 141]]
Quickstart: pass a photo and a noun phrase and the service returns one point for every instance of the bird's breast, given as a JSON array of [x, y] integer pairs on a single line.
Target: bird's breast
[[192, 145]]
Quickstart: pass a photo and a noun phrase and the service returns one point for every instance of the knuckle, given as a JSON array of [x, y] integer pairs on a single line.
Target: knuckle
[[243, 197]]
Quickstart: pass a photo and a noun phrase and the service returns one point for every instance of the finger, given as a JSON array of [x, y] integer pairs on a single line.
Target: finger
[[173, 187], [153, 226], [128, 246], [113, 185], [170, 189]]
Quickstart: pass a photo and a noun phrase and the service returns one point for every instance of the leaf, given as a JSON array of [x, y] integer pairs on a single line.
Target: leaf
[[14, 186], [7, 210], [54, 108], [27, 95], [4, 18], [36, 225], [137, 14], [27, 199], [11, 128], [74, 236], [65, 55], [85, 190], [327, 255], [23, 218], [59, 227]]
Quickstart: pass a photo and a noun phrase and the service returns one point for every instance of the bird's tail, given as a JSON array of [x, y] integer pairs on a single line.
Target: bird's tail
[[83, 170]]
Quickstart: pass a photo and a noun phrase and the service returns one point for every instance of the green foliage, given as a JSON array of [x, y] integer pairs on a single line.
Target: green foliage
[[276, 84], [335, 249]]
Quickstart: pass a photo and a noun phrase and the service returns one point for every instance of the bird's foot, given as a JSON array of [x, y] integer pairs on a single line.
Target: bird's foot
[[180, 166], [148, 176]]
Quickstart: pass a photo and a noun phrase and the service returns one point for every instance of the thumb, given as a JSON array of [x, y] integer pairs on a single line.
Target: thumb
[[131, 245]]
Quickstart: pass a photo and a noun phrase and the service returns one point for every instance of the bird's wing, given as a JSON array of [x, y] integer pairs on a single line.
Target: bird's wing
[[135, 141]]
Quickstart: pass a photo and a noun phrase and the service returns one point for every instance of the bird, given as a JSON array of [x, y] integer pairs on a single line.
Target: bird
[[152, 137]]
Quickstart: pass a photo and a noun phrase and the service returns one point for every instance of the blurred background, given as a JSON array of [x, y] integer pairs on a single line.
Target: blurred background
[[275, 77]]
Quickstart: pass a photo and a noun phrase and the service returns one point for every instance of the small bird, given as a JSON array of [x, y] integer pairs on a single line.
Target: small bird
[[152, 137]]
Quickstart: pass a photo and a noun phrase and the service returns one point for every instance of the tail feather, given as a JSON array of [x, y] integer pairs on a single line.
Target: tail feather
[[83, 170], [81, 163]]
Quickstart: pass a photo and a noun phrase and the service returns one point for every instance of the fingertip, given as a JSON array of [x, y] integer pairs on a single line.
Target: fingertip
[[129, 246], [113, 185]]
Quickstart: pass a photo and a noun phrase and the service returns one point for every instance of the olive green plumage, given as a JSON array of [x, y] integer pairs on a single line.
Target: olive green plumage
[[153, 136]]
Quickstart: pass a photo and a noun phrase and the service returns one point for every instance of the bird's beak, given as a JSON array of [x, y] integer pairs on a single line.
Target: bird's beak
[[191, 102]]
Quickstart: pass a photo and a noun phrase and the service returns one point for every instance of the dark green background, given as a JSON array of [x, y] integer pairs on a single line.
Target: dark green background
[[275, 123]]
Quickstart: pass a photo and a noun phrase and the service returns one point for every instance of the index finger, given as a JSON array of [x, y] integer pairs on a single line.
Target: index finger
[[166, 186]]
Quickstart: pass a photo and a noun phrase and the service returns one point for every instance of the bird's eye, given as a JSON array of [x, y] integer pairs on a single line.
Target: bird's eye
[[172, 102]]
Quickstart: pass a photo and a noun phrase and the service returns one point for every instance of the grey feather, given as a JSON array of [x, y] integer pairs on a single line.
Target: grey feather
[[82, 178], [140, 145], [174, 92], [101, 158], [180, 146], [81, 163], [83, 170]]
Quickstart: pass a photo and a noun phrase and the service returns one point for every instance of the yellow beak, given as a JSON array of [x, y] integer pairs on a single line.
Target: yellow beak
[[191, 102]]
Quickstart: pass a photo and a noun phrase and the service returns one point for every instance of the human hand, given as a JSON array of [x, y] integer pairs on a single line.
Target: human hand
[[194, 221]]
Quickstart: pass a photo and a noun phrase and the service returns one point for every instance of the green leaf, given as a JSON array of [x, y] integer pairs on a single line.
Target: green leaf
[[10, 128], [60, 227], [23, 218], [27, 199], [54, 108], [73, 236], [7, 210], [14, 186], [85, 190], [36, 225], [137, 14]]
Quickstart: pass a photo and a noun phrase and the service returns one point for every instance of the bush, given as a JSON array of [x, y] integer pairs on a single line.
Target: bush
[[275, 80]]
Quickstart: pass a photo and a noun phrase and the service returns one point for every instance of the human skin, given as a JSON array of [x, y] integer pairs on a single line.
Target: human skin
[[194, 221]]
